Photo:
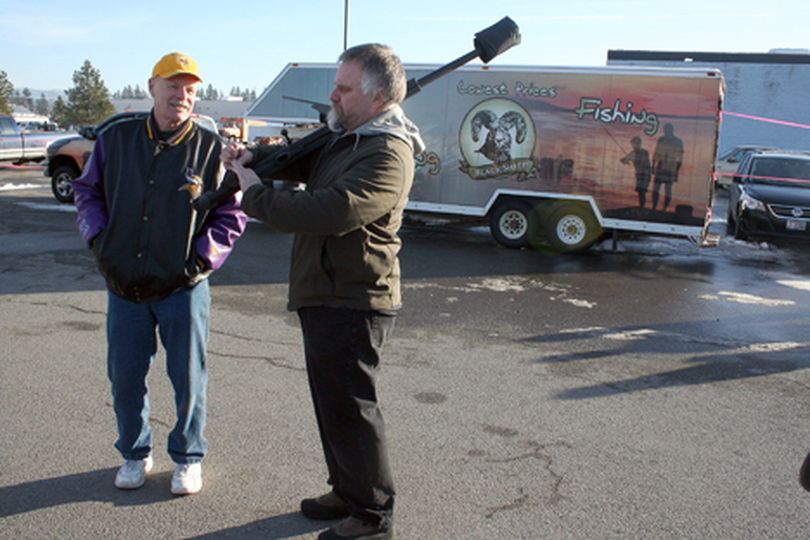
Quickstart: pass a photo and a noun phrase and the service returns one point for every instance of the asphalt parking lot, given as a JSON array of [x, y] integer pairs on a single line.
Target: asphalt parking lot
[[654, 391]]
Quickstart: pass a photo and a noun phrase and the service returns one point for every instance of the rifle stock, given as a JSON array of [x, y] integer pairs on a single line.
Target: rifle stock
[[488, 43]]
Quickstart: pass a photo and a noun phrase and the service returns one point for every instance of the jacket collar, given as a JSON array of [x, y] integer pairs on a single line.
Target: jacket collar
[[179, 136]]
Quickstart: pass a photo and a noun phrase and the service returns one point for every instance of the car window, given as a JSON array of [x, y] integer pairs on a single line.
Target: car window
[[7, 126], [782, 170], [737, 155], [799, 169]]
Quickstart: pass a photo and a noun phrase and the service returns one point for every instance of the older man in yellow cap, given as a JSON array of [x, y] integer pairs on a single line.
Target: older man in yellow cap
[[173, 86], [155, 253]]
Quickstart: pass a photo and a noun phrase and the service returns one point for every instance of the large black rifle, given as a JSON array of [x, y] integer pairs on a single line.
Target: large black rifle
[[488, 44]]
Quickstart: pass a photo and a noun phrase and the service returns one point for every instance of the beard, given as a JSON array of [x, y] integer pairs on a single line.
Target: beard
[[333, 119]]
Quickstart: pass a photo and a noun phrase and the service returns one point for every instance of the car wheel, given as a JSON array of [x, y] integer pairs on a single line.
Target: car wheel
[[739, 234], [572, 228], [733, 225], [512, 223], [62, 183], [730, 222]]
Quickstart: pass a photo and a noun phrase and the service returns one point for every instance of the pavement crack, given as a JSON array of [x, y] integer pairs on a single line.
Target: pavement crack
[[86, 311], [800, 384], [52, 305], [540, 452], [517, 503], [160, 422], [275, 362], [251, 339]]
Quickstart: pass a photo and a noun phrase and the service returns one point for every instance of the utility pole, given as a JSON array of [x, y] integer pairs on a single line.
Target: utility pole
[[345, 24]]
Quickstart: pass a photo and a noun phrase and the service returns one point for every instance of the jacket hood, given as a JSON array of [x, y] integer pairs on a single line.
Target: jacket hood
[[394, 122]]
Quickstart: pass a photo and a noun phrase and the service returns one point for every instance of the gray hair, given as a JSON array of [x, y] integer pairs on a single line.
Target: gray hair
[[382, 70]]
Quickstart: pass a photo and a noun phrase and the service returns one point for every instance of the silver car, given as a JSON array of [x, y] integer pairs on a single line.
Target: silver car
[[727, 163]]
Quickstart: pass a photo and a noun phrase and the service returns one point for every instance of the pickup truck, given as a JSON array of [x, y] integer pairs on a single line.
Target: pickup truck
[[67, 158], [19, 147]]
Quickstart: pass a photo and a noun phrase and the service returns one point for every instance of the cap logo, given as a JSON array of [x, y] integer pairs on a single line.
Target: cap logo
[[175, 64]]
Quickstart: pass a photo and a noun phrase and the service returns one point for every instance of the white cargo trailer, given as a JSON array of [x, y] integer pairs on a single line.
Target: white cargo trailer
[[550, 154]]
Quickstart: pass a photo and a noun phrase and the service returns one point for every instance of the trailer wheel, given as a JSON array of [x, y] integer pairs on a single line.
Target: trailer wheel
[[512, 223], [62, 183], [571, 228]]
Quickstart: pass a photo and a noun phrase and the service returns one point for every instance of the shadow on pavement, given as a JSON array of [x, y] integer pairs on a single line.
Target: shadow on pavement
[[283, 526], [704, 370], [75, 488], [96, 486], [714, 359]]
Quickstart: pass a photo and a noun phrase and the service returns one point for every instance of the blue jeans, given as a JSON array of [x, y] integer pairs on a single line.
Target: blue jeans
[[182, 323]]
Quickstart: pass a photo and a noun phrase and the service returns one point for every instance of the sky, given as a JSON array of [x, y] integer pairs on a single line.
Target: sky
[[247, 43]]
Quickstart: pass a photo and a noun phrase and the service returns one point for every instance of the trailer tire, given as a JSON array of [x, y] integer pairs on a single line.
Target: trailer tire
[[572, 228], [512, 223], [62, 183]]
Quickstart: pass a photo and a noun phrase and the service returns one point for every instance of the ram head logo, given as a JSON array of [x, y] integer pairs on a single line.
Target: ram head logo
[[498, 144]]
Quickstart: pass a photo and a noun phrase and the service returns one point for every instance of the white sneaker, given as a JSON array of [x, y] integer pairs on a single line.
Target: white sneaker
[[187, 479], [132, 473]]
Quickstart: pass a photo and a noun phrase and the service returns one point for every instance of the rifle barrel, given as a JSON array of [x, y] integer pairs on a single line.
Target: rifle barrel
[[489, 43]]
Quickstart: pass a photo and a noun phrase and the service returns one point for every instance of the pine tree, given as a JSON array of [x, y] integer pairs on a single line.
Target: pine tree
[[28, 101], [88, 102], [248, 95], [59, 112], [6, 90], [41, 106]]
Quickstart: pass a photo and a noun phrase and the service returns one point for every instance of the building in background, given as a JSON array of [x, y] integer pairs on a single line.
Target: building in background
[[766, 93]]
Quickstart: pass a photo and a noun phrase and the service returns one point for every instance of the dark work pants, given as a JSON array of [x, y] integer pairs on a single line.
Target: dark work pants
[[342, 348]]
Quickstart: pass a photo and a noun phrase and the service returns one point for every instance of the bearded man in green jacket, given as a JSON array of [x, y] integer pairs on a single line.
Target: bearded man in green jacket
[[345, 275]]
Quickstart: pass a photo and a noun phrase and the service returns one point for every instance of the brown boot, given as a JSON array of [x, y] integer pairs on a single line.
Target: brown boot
[[357, 529], [327, 506]]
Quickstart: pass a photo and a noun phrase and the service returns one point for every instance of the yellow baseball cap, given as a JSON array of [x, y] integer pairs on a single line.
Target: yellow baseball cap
[[176, 64]]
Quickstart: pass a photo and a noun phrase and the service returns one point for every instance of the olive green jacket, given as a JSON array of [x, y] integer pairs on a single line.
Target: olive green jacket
[[346, 221]]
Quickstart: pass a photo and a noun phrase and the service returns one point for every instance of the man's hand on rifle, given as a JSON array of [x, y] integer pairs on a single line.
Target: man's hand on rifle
[[234, 157], [233, 151]]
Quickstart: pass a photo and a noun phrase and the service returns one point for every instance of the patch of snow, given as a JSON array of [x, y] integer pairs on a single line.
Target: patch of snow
[[11, 187], [579, 303], [40, 206], [743, 298]]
